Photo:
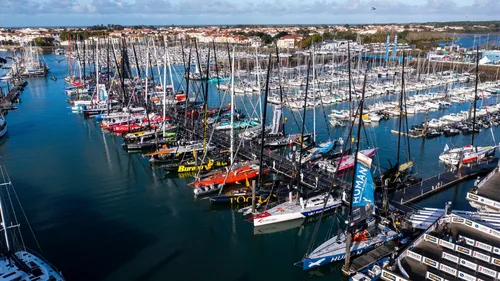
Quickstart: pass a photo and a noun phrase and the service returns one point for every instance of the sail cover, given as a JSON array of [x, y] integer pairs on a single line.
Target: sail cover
[[363, 199]]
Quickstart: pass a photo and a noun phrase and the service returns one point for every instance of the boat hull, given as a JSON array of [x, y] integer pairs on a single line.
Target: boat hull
[[308, 264]]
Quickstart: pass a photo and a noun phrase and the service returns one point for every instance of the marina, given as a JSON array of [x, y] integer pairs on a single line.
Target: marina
[[149, 153]]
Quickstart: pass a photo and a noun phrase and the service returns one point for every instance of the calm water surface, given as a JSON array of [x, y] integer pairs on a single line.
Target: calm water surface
[[100, 213]]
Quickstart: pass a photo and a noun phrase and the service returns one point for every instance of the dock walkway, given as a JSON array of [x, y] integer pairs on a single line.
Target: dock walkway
[[440, 182], [372, 256]]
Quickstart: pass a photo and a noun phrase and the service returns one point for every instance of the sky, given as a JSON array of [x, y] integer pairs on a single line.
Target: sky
[[19, 13]]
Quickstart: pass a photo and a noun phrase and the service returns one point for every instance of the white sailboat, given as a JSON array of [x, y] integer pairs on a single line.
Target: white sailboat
[[17, 262], [297, 209], [369, 235]]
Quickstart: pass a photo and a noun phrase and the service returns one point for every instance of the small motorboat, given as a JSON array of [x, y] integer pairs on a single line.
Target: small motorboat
[[53, 78]]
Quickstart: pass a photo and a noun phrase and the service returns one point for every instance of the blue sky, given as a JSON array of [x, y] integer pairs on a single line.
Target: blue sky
[[183, 12]]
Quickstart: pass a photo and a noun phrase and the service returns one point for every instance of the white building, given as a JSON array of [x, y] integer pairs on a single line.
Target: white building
[[255, 42], [287, 42]]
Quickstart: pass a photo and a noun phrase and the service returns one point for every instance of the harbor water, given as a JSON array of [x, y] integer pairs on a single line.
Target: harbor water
[[100, 213]]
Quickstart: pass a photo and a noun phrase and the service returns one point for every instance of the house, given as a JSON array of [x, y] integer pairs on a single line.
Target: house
[[288, 41], [331, 45], [255, 42]]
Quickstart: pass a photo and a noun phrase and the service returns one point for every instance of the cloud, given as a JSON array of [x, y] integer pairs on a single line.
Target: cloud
[[274, 11]]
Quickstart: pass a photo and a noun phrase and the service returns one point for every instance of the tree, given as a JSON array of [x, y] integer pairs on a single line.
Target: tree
[[44, 41], [328, 36], [281, 34], [306, 43], [402, 35], [303, 32], [266, 39]]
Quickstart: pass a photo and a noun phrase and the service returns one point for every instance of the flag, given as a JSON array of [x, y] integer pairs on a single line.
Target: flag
[[446, 147], [246, 182], [352, 140]]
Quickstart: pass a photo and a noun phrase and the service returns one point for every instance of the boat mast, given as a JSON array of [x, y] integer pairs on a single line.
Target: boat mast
[[108, 78], [231, 147], [475, 96], [164, 85], [347, 264], [70, 56], [169, 67], [314, 96], [205, 107], [263, 133], [97, 70], [401, 107], [257, 71], [303, 122], [4, 227], [349, 72], [147, 77], [187, 86], [281, 88]]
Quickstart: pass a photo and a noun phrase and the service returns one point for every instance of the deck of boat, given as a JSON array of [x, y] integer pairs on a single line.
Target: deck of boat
[[371, 257]]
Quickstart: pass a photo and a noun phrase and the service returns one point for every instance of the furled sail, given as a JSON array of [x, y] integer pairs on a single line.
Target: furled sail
[[363, 201]]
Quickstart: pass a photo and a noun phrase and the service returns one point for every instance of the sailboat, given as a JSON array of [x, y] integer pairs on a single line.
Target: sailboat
[[343, 163], [469, 153], [370, 234], [317, 151], [365, 231], [17, 262], [299, 207], [166, 154], [296, 208], [195, 165], [217, 181]]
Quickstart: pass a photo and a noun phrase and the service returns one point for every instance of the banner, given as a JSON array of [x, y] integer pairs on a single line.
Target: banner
[[487, 271], [448, 269], [496, 251], [463, 250], [483, 246], [465, 276], [430, 262], [430, 238], [446, 244], [468, 264], [481, 256], [450, 257], [364, 190], [434, 277], [495, 261], [414, 255]]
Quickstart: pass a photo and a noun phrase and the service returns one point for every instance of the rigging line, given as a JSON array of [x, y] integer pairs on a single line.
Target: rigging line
[[217, 72], [210, 138], [6, 177], [303, 127]]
